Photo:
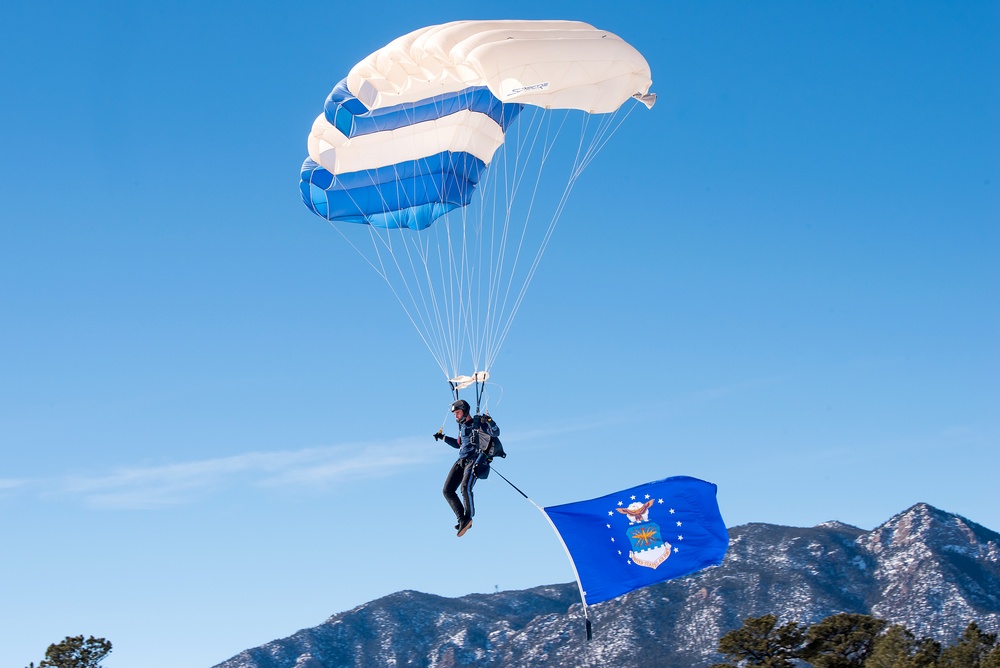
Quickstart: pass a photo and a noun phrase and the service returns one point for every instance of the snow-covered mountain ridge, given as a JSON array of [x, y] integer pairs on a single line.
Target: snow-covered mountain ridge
[[927, 569]]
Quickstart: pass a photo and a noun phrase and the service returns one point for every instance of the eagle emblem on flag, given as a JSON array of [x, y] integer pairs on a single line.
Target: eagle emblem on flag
[[648, 547]]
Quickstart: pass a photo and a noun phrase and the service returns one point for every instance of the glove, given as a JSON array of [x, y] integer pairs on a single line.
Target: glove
[[438, 435], [486, 418]]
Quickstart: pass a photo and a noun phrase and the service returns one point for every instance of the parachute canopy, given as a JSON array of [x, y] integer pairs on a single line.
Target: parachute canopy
[[405, 137], [416, 131]]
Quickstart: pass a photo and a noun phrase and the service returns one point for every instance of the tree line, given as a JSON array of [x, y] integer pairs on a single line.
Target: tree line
[[849, 640]]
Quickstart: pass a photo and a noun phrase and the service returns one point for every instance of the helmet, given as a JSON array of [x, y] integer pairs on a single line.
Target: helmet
[[461, 404]]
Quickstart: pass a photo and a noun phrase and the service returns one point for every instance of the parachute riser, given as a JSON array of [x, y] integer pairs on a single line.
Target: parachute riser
[[455, 397], [477, 381]]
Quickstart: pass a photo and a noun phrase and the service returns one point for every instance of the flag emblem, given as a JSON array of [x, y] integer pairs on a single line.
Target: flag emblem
[[648, 548]]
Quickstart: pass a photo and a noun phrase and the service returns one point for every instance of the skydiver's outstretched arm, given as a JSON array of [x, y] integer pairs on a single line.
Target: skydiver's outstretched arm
[[450, 440]]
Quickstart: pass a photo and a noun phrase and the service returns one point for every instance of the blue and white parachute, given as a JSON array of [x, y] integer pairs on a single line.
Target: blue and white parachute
[[449, 127]]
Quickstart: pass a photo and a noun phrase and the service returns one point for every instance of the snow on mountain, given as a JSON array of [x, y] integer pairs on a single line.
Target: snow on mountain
[[935, 571]]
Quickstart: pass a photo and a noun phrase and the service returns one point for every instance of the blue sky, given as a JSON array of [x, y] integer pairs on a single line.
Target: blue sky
[[215, 421]]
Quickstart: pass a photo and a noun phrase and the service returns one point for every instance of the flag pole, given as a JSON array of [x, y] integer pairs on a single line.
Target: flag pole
[[576, 574]]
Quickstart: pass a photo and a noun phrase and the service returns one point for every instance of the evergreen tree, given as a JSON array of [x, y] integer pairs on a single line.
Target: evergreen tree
[[991, 660], [75, 652], [844, 640], [927, 654], [848, 640], [972, 648], [899, 648], [759, 643], [892, 649]]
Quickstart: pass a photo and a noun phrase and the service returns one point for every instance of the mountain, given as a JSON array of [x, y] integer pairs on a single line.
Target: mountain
[[927, 569]]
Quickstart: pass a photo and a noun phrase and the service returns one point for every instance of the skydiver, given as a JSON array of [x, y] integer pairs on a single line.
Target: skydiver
[[461, 472]]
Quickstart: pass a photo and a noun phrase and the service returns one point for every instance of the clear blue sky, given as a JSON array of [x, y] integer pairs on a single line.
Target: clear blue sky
[[215, 421]]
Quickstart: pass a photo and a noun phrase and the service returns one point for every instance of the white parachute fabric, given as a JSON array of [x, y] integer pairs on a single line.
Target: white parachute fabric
[[464, 131], [551, 64], [462, 382]]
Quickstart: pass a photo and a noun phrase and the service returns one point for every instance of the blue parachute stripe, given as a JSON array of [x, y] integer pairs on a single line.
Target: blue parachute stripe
[[415, 218], [411, 194], [349, 115], [365, 202]]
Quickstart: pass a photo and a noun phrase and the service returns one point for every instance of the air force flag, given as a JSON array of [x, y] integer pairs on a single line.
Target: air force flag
[[640, 536]]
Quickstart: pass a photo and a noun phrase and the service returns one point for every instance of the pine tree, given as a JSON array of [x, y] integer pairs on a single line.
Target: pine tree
[[991, 660], [844, 640], [892, 649], [972, 648], [927, 654], [899, 648], [759, 643], [75, 652]]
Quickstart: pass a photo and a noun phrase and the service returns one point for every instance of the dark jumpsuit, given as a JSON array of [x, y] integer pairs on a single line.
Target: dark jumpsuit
[[460, 474]]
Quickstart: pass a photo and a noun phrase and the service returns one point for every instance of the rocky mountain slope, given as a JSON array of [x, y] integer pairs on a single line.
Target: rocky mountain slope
[[925, 568]]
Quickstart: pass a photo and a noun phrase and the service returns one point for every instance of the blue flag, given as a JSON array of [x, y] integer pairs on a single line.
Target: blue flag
[[643, 535]]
